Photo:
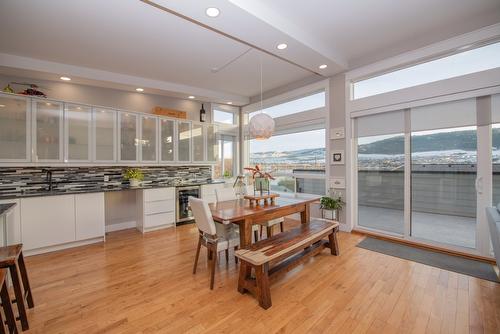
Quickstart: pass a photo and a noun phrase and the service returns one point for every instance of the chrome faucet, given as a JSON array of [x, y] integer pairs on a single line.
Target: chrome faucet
[[48, 177]]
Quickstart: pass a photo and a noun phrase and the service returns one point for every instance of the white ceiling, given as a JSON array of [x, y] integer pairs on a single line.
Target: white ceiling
[[130, 43]]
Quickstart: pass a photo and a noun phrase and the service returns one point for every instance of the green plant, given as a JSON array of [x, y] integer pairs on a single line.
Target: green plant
[[227, 174], [133, 173], [329, 203]]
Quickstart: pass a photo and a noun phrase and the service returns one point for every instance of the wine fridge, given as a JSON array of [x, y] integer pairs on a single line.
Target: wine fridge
[[184, 213]]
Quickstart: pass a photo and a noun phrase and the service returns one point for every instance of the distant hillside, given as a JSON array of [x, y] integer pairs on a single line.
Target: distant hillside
[[461, 140]]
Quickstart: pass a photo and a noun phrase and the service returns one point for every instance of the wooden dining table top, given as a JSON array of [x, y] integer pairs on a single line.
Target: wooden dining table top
[[240, 209]]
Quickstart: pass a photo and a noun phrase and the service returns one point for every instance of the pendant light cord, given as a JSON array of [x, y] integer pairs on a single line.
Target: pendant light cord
[[261, 110]]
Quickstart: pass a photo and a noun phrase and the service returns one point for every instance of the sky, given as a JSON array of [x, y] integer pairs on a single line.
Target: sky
[[290, 142]]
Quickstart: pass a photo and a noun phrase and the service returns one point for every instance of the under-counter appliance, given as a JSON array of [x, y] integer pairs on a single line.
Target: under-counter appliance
[[183, 212]]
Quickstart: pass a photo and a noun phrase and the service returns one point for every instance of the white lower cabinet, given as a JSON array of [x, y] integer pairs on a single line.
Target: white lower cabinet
[[61, 221], [13, 221], [47, 221], [89, 216], [155, 209]]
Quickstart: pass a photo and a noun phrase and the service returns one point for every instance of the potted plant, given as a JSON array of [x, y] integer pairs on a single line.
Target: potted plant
[[134, 176], [331, 207]]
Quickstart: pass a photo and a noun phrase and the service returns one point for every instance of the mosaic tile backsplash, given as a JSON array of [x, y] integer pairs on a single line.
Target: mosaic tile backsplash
[[16, 180]]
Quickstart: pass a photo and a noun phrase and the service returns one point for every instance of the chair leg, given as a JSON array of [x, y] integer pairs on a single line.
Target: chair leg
[[18, 292], [197, 255], [256, 235], [227, 255], [212, 272], [261, 230], [26, 282], [2, 326], [263, 291], [235, 257], [7, 309], [281, 227]]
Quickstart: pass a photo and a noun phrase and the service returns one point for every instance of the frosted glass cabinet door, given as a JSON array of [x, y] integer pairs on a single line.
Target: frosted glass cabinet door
[[212, 143], [184, 141], [48, 130], [14, 130], [128, 136], [104, 135], [167, 140], [77, 121], [149, 127], [198, 135]]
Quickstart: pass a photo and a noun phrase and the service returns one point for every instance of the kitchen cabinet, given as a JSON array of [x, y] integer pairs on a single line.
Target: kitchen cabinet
[[13, 220], [47, 221], [149, 134], [155, 209], [89, 216], [128, 137], [15, 132], [183, 141], [104, 134], [167, 142], [78, 126], [212, 143], [48, 130], [198, 139]]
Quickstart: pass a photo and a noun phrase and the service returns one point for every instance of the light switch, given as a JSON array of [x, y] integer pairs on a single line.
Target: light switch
[[337, 133]]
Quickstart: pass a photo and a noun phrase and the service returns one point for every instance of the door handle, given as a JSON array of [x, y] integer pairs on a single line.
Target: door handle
[[479, 185]]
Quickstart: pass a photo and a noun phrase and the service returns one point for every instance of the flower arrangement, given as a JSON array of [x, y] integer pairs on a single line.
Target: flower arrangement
[[261, 179]]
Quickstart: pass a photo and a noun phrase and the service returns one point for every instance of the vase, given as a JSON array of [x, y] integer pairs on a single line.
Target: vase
[[134, 182], [330, 214]]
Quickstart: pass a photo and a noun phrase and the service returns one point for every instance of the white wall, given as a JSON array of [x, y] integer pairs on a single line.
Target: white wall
[[107, 97]]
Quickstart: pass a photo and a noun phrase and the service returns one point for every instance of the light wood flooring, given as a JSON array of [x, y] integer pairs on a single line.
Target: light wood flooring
[[143, 284]]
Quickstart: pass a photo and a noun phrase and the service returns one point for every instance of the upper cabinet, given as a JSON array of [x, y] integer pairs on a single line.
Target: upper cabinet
[[47, 130], [212, 143], [167, 140], [104, 134], [77, 125], [128, 137], [199, 139], [183, 141], [15, 140], [149, 136], [40, 131]]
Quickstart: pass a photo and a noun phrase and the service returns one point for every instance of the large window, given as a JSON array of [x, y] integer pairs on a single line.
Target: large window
[[480, 59], [285, 155], [225, 166], [224, 117]]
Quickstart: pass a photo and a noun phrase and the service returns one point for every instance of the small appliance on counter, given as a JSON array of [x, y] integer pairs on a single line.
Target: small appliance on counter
[[183, 213]]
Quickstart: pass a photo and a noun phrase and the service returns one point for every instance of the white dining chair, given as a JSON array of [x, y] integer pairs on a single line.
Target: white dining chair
[[228, 194], [269, 224], [211, 235]]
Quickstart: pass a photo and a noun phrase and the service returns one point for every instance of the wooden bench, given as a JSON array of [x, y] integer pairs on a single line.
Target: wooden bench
[[284, 251]]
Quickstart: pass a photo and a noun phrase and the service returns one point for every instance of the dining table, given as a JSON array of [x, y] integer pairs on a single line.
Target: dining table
[[245, 214]]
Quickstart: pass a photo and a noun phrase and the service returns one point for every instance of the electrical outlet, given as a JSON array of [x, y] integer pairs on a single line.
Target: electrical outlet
[[106, 178]]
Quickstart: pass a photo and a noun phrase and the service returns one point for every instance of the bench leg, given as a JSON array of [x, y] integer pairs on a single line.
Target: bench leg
[[18, 292], [334, 244], [7, 308], [262, 289], [245, 272]]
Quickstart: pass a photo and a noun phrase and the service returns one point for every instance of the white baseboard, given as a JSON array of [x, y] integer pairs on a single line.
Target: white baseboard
[[63, 246], [156, 228], [120, 226]]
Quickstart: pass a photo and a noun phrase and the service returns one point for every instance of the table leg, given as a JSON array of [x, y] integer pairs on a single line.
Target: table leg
[[246, 233], [305, 215]]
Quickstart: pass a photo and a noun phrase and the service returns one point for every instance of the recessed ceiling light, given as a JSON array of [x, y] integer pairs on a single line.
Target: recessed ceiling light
[[212, 11], [65, 78], [281, 46], [191, 97], [140, 89], [323, 66], [230, 102], [2, 105]]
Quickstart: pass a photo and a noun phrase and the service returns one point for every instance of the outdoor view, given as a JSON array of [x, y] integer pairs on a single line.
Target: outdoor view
[[285, 155]]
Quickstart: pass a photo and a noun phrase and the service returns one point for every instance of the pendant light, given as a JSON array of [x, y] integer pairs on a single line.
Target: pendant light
[[261, 126]]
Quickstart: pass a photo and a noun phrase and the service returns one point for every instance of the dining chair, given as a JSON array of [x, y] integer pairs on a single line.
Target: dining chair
[[228, 194], [269, 224], [213, 236]]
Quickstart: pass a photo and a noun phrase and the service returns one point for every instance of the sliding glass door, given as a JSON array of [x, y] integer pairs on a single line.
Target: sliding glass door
[[426, 174], [444, 172]]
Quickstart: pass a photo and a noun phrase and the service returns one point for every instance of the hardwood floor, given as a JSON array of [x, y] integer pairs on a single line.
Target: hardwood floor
[[143, 284]]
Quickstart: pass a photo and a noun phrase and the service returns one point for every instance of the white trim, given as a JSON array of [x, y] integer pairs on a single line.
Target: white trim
[[449, 46], [120, 226], [288, 96], [73, 244]]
